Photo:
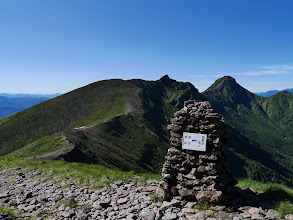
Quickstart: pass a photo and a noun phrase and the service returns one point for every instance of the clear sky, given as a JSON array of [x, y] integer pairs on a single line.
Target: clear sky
[[49, 46]]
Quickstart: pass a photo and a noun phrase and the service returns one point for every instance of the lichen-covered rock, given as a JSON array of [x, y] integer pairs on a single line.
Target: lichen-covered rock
[[195, 175]]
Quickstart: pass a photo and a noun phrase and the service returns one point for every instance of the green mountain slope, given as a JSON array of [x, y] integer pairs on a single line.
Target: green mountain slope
[[259, 130], [122, 123], [85, 106]]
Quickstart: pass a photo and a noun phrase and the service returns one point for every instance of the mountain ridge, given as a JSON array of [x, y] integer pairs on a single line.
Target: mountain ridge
[[122, 123]]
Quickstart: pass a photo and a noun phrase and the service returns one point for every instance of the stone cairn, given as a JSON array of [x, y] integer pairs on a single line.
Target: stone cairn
[[196, 175]]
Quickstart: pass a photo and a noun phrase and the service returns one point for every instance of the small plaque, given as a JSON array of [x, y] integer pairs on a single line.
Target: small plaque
[[194, 141]]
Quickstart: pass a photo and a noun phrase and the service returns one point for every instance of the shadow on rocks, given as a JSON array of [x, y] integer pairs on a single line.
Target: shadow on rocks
[[265, 200]]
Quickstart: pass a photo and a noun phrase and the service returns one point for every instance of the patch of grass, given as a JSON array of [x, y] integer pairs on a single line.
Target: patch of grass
[[280, 193], [154, 197], [41, 146], [228, 209], [149, 176], [67, 203], [6, 210], [94, 176], [202, 206], [285, 208], [211, 215], [275, 191], [66, 186]]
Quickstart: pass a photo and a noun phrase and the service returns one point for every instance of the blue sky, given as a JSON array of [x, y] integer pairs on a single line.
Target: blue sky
[[58, 45]]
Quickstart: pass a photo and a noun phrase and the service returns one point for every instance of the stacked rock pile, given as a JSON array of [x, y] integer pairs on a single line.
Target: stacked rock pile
[[197, 175]]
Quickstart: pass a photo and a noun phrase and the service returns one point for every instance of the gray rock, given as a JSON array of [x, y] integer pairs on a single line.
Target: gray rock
[[169, 216], [289, 217], [257, 216], [147, 214], [202, 215], [4, 195], [167, 205], [272, 214]]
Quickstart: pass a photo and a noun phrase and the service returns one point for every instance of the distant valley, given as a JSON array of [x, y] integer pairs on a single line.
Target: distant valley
[[122, 124], [11, 103]]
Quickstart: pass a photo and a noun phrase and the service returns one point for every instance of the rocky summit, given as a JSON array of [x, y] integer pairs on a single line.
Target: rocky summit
[[34, 195]]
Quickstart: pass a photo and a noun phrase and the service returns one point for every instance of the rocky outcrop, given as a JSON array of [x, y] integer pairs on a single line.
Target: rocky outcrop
[[36, 195], [197, 175]]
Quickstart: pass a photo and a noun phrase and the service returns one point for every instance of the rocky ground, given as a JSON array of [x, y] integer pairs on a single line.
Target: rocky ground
[[35, 196]]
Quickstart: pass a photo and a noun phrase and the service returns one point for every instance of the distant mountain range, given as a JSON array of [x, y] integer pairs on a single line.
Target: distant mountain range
[[122, 124], [23, 95], [11, 103], [272, 92]]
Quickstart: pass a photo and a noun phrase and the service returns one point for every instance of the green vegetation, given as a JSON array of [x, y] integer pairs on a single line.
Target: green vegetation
[[94, 176], [285, 208], [203, 206], [135, 141], [39, 147], [267, 187], [9, 211], [260, 131], [154, 197], [85, 106], [72, 203], [127, 126], [280, 193]]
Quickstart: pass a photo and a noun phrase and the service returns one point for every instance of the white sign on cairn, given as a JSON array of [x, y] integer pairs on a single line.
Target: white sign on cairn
[[194, 141]]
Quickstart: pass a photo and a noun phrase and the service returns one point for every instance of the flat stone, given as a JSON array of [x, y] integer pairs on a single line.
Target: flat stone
[[188, 210], [122, 201], [169, 216], [253, 210], [167, 205], [114, 186], [190, 204]]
